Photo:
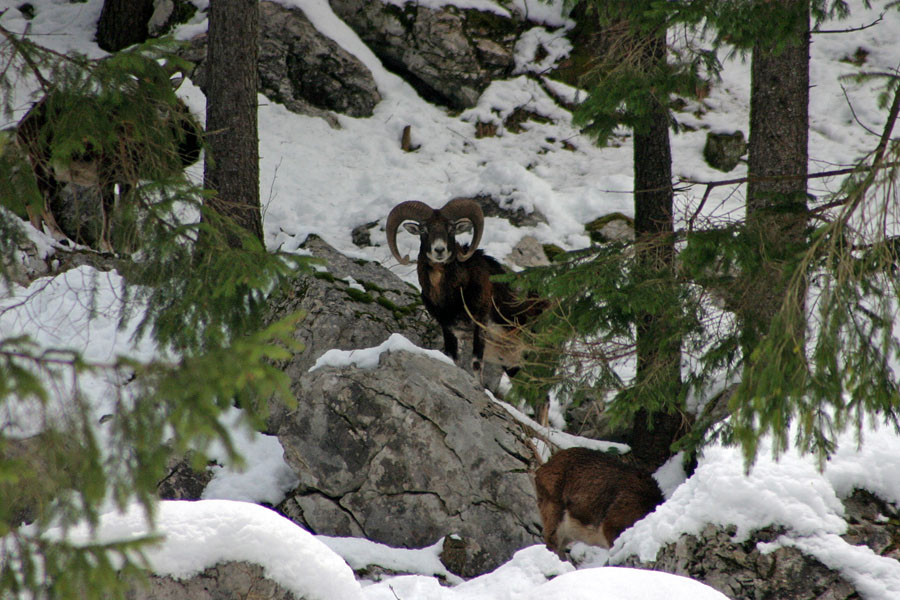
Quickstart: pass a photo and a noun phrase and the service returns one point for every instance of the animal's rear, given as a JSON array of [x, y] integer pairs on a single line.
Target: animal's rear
[[589, 496]]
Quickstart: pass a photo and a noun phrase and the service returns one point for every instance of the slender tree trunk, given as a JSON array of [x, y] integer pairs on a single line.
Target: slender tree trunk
[[658, 347], [232, 165], [777, 169]]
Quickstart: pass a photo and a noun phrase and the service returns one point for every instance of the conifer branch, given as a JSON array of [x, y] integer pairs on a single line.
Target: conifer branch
[[17, 44]]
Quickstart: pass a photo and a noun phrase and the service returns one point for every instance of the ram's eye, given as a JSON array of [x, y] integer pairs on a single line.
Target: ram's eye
[[414, 228], [462, 226]]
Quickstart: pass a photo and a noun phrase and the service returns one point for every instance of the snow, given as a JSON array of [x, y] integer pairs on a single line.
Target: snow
[[315, 179], [201, 534], [264, 476], [872, 575], [361, 553], [368, 358]]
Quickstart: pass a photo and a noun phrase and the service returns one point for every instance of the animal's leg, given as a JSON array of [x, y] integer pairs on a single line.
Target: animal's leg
[[625, 510], [478, 353], [107, 203], [45, 218], [551, 515], [451, 346]]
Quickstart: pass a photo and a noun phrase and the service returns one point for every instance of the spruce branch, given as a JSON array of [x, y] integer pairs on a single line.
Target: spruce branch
[[851, 29], [21, 47]]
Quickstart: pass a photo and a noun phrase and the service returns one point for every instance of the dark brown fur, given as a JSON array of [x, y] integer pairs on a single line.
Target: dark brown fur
[[462, 295], [589, 496], [457, 289]]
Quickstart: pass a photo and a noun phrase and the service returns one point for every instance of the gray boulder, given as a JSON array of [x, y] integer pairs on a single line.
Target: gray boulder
[[872, 522], [352, 304], [301, 68], [298, 66], [406, 453], [226, 580], [742, 572], [723, 151], [182, 481], [449, 55]]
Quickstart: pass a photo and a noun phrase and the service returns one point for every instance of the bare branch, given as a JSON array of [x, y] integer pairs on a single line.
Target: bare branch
[[850, 29], [876, 166], [853, 112]]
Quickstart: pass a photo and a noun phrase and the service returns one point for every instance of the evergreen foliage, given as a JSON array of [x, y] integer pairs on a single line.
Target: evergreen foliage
[[624, 83], [75, 465], [582, 345], [847, 372], [200, 298], [803, 391]]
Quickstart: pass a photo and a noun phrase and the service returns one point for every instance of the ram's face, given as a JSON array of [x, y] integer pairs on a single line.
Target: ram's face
[[438, 237], [437, 229]]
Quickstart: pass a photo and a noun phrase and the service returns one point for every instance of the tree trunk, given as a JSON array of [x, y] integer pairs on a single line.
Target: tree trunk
[[658, 346], [777, 169], [123, 23], [232, 164]]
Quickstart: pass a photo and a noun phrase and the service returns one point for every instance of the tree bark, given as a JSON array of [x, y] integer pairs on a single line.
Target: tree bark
[[777, 170], [232, 164], [658, 346], [123, 23]]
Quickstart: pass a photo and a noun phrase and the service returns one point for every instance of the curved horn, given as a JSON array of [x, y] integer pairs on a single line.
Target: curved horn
[[466, 208], [411, 210]]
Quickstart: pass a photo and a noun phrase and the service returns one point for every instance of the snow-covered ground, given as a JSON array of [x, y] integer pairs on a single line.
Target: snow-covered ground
[[327, 181]]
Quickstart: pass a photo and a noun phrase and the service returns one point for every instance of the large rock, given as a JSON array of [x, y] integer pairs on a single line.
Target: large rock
[[226, 580], [301, 68], [352, 304], [448, 54], [723, 151], [872, 522], [742, 572], [406, 453]]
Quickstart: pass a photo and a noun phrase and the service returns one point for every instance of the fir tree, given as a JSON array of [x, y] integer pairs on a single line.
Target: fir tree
[[198, 295], [801, 367], [631, 84]]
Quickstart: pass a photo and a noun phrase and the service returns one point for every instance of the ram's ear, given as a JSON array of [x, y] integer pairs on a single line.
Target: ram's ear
[[462, 226], [412, 227]]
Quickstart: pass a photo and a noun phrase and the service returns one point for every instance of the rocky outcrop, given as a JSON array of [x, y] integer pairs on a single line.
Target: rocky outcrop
[[226, 580], [303, 69], [742, 572], [449, 55], [348, 305], [300, 67], [872, 522], [351, 304], [407, 453], [183, 481], [614, 227]]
